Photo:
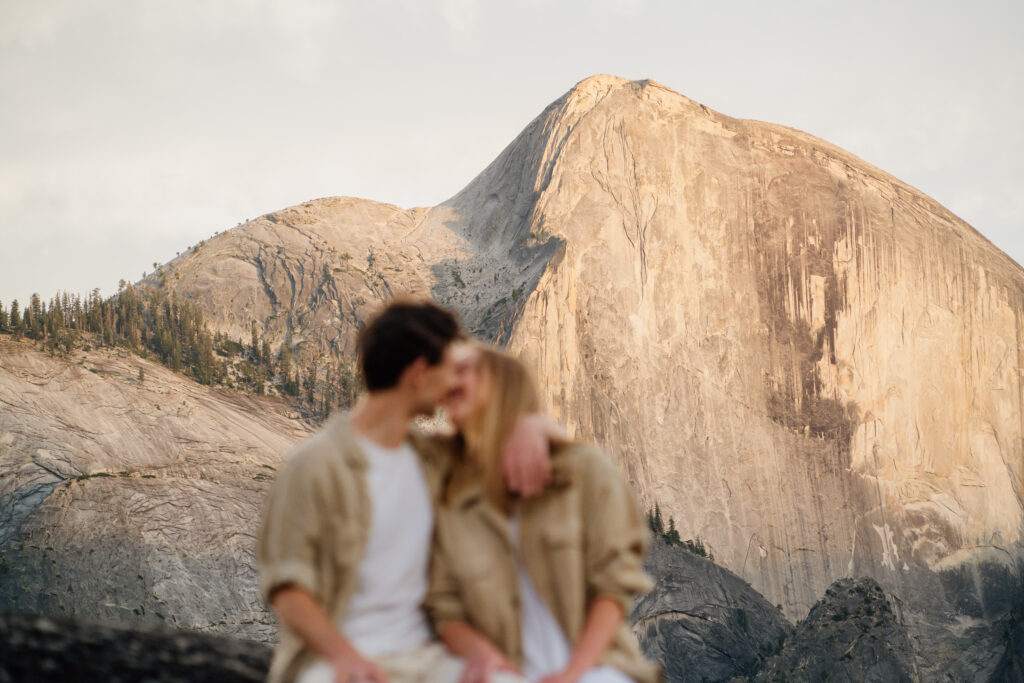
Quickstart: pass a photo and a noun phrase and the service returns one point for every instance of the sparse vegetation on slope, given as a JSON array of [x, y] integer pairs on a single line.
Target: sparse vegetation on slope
[[158, 325], [671, 535]]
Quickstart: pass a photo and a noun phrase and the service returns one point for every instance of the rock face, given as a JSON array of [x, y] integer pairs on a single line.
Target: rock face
[[851, 634], [48, 649], [315, 271], [132, 501], [702, 622], [810, 365]]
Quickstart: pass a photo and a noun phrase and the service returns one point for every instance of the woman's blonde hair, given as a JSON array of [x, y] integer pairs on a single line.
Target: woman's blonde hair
[[512, 393]]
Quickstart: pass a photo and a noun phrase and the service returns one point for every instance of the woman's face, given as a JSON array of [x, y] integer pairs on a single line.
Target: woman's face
[[470, 392]]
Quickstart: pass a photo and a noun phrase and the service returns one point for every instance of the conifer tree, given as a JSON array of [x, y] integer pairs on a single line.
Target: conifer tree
[[15, 318], [284, 362], [26, 322], [659, 526], [672, 536], [35, 303], [3, 317], [311, 383], [328, 394], [265, 357], [255, 346]]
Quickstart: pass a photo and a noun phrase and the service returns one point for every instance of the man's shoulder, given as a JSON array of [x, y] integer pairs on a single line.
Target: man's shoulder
[[334, 445], [432, 444]]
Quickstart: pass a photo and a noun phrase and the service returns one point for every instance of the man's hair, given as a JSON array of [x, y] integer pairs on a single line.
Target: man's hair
[[399, 334]]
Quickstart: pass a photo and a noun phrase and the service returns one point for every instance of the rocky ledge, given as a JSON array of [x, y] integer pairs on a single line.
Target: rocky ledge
[[34, 648], [851, 634]]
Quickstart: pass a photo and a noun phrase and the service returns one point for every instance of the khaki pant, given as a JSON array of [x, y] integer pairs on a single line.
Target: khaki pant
[[429, 663]]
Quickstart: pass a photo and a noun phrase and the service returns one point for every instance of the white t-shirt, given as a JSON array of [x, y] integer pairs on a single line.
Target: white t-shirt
[[385, 615], [546, 650]]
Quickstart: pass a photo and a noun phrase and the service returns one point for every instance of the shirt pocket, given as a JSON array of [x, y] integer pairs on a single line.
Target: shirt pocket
[[563, 534], [476, 563], [565, 575]]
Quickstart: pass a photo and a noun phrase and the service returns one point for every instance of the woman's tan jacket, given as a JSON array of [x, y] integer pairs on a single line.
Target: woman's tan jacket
[[585, 536]]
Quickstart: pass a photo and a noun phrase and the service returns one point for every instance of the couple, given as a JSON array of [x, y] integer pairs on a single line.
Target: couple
[[521, 550]]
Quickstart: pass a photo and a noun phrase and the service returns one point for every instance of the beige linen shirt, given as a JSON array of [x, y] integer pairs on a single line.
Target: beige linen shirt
[[316, 524], [585, 536]]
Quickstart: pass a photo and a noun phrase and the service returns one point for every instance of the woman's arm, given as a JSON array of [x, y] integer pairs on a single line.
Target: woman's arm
[[603, 619], [483, 657], [615, 540]]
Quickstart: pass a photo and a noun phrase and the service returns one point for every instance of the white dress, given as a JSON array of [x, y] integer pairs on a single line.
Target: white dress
[[546, 650]]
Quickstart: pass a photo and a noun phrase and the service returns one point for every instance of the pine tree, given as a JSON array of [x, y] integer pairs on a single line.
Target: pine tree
[[254, 348], [284, 361], [311, 383], [326, 397], [27, 323], [15, 319], [3, 317], [659, 526], [265, 357], [672, 536]]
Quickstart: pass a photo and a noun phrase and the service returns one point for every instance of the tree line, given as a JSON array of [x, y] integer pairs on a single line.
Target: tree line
[[670, 534], [173, 331]]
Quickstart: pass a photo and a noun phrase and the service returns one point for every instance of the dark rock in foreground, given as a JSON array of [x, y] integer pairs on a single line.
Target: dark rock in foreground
[[851, 634], [1011, 666], [702, 622], [34, 648]]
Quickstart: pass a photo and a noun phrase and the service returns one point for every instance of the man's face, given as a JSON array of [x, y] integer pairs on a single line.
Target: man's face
[[462, 399], [436, 382]]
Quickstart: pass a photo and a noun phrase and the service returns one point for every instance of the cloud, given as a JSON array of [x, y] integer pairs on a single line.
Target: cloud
[[31, 23], [462, 18], [619, 7], [132, 129]]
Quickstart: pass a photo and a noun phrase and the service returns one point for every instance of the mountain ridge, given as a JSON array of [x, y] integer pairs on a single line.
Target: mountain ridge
[[810, 365]]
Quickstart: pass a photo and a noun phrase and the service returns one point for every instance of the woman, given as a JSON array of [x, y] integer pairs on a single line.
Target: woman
[[539, 585]]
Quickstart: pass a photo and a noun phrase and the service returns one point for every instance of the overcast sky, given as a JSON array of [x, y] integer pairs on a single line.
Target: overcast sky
[[131, 129]]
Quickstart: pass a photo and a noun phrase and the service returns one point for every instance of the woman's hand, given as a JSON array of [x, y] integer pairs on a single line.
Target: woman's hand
[[569, 675], [482, 666], [351, 667], [603, 619], [483, 658]]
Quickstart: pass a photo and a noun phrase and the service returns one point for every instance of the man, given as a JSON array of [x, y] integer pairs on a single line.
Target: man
[[344, 546]]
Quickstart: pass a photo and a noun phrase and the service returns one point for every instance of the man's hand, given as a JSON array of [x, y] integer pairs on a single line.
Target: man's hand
[[350, 667], [526, 454], [482, 666], [302, 613]]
